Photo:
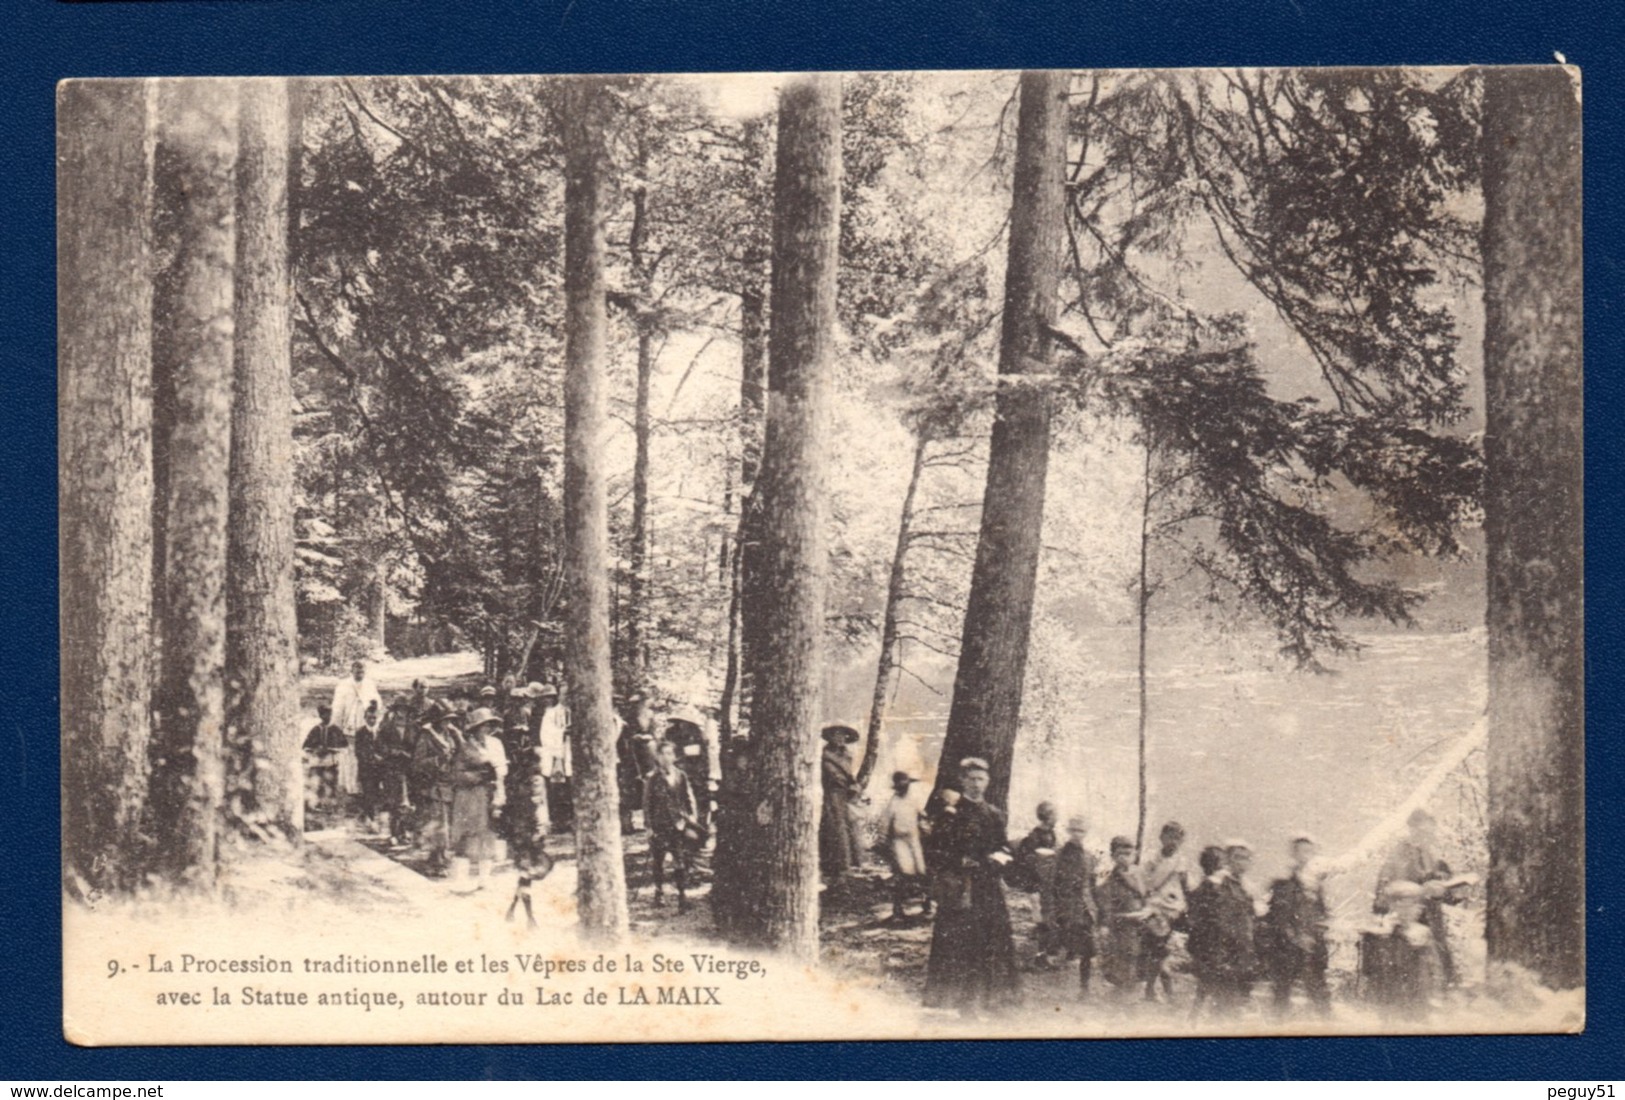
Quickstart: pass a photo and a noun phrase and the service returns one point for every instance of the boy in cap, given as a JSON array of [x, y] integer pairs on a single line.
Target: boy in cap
[[1074, 906], [1292, 935], [1166, 884], [1235, 956], [1031, 873], [668, 802], [900, 832], [1202, 917], [1123, 913], [369, 774], [322, 746]]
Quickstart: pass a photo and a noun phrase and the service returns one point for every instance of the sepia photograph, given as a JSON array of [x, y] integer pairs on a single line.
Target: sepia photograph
[[824, 556]]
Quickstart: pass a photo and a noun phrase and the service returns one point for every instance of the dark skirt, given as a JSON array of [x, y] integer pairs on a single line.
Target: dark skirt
[[973, 953]]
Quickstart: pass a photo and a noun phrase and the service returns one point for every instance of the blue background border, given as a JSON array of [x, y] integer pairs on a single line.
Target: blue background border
[[49, 40]]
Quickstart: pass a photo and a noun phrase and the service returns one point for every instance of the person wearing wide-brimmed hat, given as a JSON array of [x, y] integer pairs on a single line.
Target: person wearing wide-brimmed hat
[[838, 848], [972, 966], [439, 732], [479, 768], [397, 736]]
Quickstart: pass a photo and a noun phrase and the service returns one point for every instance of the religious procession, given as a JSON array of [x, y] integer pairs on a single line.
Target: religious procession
[[466, 779], [470, 784]]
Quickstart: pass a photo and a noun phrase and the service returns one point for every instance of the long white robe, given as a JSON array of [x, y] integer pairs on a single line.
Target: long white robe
[[350, 702]]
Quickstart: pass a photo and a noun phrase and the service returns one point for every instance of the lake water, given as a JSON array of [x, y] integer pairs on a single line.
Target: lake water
[[1235, 748]]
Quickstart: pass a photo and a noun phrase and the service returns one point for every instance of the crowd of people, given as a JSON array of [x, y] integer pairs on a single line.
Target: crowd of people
[[1134, 921], [461, 779], [455, 778]]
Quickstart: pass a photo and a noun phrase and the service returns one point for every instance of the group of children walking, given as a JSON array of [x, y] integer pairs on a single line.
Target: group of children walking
[[1126, 916]]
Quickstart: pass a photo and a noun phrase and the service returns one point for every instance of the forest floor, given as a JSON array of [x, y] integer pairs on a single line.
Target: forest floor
[[864, 947], [345, 892]]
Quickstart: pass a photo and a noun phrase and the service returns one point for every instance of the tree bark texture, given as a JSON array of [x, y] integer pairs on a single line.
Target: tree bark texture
[[752, 422], [104, 424], [886, 671], [601, 889], [731, 884], [265, 778], [197, 134], [637, 583], [783, 618], [1533, 514], [635, 664], [986, 711]]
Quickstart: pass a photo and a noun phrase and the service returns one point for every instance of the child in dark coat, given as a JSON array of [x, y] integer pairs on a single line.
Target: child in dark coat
[[1032, 873], [1235, 956], [1202, 916], [1073, 905], [1292, 935], [1123, 914]]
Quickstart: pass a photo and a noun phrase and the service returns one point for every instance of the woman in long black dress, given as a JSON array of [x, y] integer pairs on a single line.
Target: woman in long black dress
[[973, 954]]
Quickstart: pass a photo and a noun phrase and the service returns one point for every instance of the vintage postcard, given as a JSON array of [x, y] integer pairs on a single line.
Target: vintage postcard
[[880, 555]]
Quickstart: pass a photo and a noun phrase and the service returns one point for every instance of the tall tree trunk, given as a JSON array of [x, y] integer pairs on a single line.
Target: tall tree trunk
[[1143, 601], [752, 427], [261, 622], [986, 711], [104, 424], [298, 91], [601, 889], [1532, 505], [784, 618], [635, 663], [886, 673], [198, 129], [732, 888], [637, 583]]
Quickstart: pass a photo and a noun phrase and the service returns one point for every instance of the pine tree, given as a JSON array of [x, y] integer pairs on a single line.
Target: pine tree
[[1533, 521], [783, 623], [104, 417], [986, 710], [197, 142], [265, 773], [601, 893]]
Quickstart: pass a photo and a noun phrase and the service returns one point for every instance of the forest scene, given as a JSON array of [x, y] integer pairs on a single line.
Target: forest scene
[[1066, 553]]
